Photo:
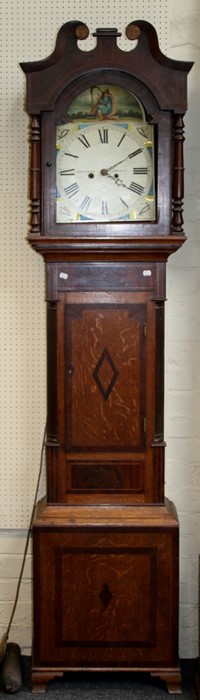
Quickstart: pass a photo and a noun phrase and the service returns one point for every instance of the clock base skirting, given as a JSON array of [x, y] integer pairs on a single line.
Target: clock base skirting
[[171, 676]]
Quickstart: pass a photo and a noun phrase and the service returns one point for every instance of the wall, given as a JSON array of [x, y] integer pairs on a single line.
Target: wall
[[183, 342], [28, 32]]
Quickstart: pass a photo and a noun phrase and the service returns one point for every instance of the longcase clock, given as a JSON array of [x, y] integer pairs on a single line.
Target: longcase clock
[[107, 196]]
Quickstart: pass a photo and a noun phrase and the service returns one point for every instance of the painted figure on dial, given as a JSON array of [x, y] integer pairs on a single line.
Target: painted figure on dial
[[104, 105]]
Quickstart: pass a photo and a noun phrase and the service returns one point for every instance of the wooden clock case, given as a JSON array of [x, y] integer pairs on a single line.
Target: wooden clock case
[[105, 540]]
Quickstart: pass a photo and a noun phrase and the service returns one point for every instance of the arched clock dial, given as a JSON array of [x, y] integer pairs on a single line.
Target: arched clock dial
[[105, 172]]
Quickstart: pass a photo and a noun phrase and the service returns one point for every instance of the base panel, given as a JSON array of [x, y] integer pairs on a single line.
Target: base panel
[[106, 592]]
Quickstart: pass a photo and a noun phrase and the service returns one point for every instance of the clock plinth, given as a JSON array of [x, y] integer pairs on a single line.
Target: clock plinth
[[113, 587], [107, 199]]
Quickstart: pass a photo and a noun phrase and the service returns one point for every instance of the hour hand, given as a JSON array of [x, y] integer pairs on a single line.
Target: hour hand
[[117, 179]]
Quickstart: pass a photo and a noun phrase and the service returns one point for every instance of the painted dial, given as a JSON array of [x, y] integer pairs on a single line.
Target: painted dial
[[105, 172]]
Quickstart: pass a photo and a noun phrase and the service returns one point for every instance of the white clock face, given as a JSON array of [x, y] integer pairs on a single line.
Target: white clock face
[[105, 172]]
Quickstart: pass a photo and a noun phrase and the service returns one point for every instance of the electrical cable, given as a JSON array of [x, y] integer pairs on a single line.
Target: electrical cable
[[3, 641]]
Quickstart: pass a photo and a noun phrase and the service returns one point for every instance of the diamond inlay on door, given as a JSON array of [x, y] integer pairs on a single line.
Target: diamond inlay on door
[[105, 595], [105, 374]]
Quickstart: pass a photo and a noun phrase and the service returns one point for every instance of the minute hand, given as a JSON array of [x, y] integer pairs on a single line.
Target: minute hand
[[131, 155]]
